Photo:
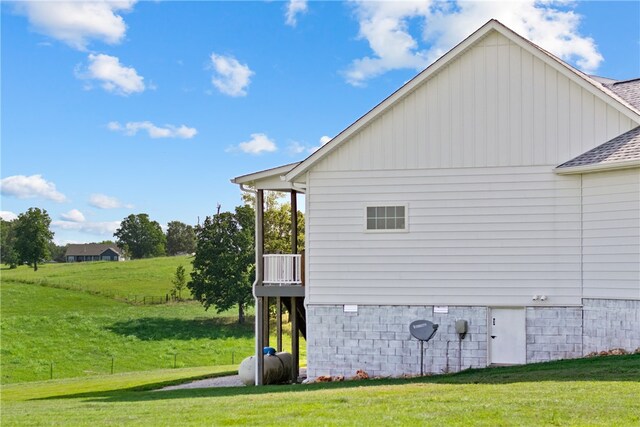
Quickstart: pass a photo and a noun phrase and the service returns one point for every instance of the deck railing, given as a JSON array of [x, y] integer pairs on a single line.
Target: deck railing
[[282, 269]]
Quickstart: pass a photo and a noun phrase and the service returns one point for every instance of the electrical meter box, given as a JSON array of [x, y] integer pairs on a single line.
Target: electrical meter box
[[461, 327]]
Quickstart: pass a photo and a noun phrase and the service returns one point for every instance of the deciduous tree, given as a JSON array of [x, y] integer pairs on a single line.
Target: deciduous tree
[[8, 254], [32, 236], [56, 252], [140, 237], [277, 222], [179, 282], [181, 238], [223, 267]]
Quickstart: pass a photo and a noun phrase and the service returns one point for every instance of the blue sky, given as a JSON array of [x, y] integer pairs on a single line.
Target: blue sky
[[113, 108]]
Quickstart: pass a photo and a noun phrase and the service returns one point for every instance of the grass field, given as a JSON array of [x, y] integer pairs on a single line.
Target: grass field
[[594, 392], [81, 333], [123, 280], [64, 333]]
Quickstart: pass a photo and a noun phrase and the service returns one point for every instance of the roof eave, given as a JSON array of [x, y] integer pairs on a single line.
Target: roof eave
[[264, 174], [600, 167], [269, 179]]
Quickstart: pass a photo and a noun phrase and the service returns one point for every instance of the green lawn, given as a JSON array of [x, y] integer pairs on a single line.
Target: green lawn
[[600, 391], [81, 333], [123, 280]]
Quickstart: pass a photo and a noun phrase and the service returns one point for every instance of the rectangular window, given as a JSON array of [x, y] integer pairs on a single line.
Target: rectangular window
[[381, 218]]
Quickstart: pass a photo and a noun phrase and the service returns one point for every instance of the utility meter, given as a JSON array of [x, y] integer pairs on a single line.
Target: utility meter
[[461, 328]]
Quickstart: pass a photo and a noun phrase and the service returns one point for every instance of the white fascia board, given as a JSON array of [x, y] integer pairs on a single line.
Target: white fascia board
[[600, 167], [276, 172]]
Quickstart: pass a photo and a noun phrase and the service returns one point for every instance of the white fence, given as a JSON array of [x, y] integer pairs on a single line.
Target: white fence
[[284, 269]]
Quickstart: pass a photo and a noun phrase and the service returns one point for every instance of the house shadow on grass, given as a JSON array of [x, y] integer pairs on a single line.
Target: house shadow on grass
[[158, 328], [611, 368]]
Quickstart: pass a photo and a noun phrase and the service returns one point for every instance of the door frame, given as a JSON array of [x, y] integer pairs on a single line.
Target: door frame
[[489, 326]]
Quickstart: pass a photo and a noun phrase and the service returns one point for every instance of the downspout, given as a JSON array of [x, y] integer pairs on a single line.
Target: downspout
[[256, 324]]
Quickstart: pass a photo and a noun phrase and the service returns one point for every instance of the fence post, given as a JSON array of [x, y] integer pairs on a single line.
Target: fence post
[[233, 357], [111, 365], [175, 357], [51, 370]]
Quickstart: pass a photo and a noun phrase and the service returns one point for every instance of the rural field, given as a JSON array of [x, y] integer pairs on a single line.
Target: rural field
[[59, 324], [595, 392], [130, 280], [77, 328]]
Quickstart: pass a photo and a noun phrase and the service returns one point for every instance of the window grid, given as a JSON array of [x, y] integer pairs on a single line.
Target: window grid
[[386, 218]]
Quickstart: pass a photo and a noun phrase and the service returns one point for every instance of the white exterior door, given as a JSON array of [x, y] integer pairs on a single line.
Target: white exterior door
[[507, 337]]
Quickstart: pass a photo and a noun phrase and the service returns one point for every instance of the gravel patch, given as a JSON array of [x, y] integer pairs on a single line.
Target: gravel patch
[[226, 381]]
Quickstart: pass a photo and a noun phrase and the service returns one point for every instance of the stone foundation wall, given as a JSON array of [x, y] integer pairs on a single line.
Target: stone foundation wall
[[611, 324], [553, 333], [377, 340]]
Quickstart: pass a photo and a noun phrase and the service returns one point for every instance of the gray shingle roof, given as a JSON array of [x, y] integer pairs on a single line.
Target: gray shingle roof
[[91, 249], [628, 90], [622, 148]]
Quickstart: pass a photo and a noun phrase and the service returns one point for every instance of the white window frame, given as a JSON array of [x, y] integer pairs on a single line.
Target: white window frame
[[387, 204]]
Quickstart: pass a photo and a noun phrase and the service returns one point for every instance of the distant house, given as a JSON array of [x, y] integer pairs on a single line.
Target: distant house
[[93, 252]]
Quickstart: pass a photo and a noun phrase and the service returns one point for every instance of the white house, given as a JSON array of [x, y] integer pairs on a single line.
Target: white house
[[500, 186]]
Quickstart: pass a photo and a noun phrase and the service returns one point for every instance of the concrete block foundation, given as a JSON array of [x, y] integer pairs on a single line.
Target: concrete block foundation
[[376, 338]]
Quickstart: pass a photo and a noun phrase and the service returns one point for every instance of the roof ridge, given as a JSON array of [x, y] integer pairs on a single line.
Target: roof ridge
[[625, 81]]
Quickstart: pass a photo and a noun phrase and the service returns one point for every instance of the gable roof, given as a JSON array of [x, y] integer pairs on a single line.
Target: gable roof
[[621, 152], [90, 249], [595, 87]]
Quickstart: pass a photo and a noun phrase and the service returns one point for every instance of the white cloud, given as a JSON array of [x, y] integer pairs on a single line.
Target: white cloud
[[102, 201], [323, 140], [99, 228], [77, 22], [113, 76], [8, 215], [296, 148], [553, 25], [295, 8], [74, 215], [258, 144], [168, 131], [28, 187], [231, 77]]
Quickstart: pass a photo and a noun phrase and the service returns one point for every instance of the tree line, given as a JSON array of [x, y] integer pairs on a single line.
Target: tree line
[[28, 239], [223, 247]]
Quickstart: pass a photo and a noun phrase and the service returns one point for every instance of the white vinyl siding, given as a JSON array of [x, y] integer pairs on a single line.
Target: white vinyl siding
[[479, 236], [495, 105], [611, 220]]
